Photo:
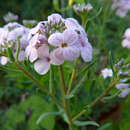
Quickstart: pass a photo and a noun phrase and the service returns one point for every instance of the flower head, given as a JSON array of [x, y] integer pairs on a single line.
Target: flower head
[[107, 73]]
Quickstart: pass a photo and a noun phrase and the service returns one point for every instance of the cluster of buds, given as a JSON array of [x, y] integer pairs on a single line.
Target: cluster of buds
[[29, 23], [55, 41], [10, 34], [82, 8]]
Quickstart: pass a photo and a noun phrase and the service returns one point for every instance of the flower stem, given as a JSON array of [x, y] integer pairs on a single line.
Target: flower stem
[[37, 83], [65, 101], [51, 81], [72, 76], [96, 100]]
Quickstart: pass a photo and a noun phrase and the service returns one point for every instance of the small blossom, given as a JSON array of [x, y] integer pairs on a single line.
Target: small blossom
[[4, 60], [34, 46], [126, 41], [42, 65], [66, 43], [107, 73]]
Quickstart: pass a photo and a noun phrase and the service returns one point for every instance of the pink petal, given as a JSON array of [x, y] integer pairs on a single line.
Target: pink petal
[[42, 66], [43, 51], [57, 56], [70, 37], [56, 39], [86, 52], [71, 53], [31, 53], [34, 40]]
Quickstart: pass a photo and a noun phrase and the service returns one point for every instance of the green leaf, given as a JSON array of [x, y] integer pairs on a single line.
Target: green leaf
[[10, 54], [104, 127], [88, 66], [111, 61], [109, 97], [18, 49], [85, 123], [48, 114]]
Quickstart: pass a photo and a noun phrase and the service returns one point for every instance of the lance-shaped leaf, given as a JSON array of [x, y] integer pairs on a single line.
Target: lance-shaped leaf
[[85, 123], [10, 54], [18, 49], [48, 114]]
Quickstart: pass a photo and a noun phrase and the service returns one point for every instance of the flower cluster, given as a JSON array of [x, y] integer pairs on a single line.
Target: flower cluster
[[126, 41], [55, 41], [122, 7], [10, 17], [9, 38]]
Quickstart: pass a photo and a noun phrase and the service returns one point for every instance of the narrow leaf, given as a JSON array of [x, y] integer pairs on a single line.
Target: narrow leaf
[[47, 114], [10, 54], [85, 123], [18, 49], [111, 61]]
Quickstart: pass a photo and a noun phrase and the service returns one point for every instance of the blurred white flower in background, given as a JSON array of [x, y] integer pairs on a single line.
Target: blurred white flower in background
[[10, 17], [122, 7], [107, 73], [126, 41]]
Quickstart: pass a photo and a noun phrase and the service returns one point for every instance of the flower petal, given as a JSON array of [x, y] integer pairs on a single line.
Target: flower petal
[[43, 51], [57, 56], [56, 39], [70, 37], [31, 53], [42, 66], [86, 52], [71, 53]]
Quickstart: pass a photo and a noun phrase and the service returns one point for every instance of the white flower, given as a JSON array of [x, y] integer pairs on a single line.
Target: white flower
[[10, 17], [107, 73], [4, 60]]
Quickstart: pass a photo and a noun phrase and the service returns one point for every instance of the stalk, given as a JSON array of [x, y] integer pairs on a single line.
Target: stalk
[[96, 100], [65, 101]]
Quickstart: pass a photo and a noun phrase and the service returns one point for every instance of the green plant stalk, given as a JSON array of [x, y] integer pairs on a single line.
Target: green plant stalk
[[51, 81], [37, 83], [65, 101], [96, 100], [18, 49], [72, 76]]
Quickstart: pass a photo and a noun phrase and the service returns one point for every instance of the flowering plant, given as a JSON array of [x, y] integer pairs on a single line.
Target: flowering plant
[[54, 45]]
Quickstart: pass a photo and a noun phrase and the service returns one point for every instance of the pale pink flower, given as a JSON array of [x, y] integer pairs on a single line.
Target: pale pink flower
[[126, 43], [42, 65], [37, 29], [84, 45], [34, 45], [66, 43], [127, 33], [107, 73]]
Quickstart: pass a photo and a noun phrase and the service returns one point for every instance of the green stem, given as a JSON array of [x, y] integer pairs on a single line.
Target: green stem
[[96, 100], [37, 83], [51, 81], [65, 102], [72, 76]]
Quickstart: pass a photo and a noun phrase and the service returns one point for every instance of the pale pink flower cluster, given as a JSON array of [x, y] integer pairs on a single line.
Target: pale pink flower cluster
[[55, 41], [122, 7], [107, 73], [126, 41], [9, 38], [10, 17]]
